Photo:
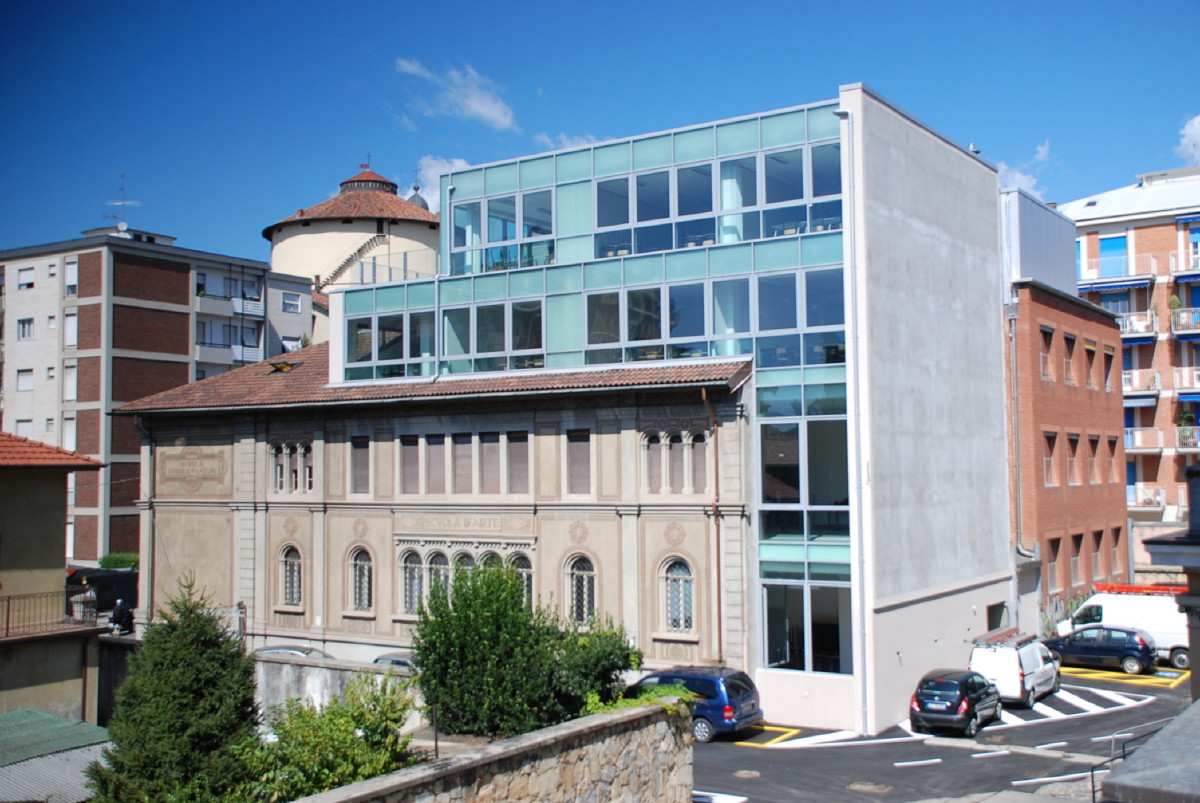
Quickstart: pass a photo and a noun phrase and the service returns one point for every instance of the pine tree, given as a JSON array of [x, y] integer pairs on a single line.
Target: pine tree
[[184, 713]]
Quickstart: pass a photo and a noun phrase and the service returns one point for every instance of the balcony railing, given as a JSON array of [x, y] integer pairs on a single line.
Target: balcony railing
[[1188, 262], [248, 306], [246, 353], [1143, 322], [46, 612], [1187, 378], [1047, 368], [1187, 438], [1143, 438], [1068, 371], [400, 266], [1140, 495], [1116, 267], [1185, 319], [1140, 380]]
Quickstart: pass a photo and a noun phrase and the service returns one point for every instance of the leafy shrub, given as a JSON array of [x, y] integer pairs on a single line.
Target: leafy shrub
[[119, 560]]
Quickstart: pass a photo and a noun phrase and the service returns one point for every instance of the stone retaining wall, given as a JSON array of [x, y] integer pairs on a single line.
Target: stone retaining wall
[[632, 754]]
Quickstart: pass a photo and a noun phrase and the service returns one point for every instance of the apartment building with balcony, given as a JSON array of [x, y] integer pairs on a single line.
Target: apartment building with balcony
[[1138, 255], [97, 321]]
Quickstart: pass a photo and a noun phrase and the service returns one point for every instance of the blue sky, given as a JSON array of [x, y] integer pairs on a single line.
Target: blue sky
[[224, 117]]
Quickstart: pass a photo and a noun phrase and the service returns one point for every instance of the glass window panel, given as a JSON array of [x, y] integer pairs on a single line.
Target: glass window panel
[[736, 228], [468, 184], [501, 178], [603, 318], [537, 254], [420, 334], [574, 249], [825, 216], [821, 250], [696, 233], [652, 152], [785, 221], [781, 401], [731, 306], [573, 204], [565, 279], [389, 298], [579, 461], [781, 526], [535, 214], [502, 219], [420, 295], [825, 374], [827, 169], [489, 328], [823, 300], [778, 378], [739, 183], [694, 188], [563, 313], [603, 357], [686, 310], [780, 462], [491, 288], [612, 202], [573, 166], [526, 283], [730, 259], [822, 123], [678, 351], [824, 348], [777, 302], [684, 265], [391, 337], [783, 129], [456, 331], [825, 399], [692, 146], [465, 262], [784, 173], [644, 270], [825, 525], [358, 340], [466, 225], [526, 325], [537, 172], [828, 470], [776, 254], [737, 137], [782, 350], [599, 275], [500, 257], [456, 291], [518, 462], [360, 301], [653, 195], [644, 314], [617, 243], [611, 159], [649, 239]]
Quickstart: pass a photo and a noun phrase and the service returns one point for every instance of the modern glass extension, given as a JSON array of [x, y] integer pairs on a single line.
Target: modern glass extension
[[717, 240]]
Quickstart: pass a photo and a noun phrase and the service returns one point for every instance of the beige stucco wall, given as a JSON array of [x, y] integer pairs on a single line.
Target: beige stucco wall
[[33, 509], [321, 246], [57, 674]]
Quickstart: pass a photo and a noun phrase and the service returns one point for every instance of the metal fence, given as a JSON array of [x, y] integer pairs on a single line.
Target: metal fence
[[46, 612]]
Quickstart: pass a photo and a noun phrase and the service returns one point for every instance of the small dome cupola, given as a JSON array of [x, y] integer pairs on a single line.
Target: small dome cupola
[[369, 180], [416, 200]]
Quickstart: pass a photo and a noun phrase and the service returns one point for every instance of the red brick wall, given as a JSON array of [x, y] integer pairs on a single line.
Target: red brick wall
[[151, 279], [125, 437], [141, 329], [91, 275], [87, 431], [123, 484], [91, 329], [87, 489], [1157, 240], [132, 378], [87, 379], [123, 534], [86, 537]]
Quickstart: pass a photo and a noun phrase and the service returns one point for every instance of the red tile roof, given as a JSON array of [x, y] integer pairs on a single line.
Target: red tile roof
[[18, 452], [369, 175], [272, 384]]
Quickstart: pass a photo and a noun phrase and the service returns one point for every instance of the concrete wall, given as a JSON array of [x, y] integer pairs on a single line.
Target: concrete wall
[[281, 677], [635, 754], [1039, 242]]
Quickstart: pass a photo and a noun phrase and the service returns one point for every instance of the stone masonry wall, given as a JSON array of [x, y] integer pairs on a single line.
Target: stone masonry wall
[[632, 754]]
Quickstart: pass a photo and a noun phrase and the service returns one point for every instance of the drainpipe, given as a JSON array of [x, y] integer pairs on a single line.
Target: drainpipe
[[146, 567], [716, 516]]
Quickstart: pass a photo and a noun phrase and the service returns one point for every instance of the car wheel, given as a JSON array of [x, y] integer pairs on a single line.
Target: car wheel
[[972, 727], [1179, 659], [1057, 684], [1057, 656], [702, 730], [1029, 699], [1131, 665]]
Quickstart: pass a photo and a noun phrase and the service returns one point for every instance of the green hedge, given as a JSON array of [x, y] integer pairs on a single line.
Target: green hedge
[[119, 560]]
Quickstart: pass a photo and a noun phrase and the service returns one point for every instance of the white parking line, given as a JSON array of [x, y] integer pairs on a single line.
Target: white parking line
[[1116, 697], [991, 753], [1048, 712], [1077, 701], [1048, 745], [1009, 718], [923, 763]]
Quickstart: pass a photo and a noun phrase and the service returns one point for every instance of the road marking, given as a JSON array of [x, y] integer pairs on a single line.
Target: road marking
[[1074, 776], [991, 753], [923, 763], [1077, 701], [1009, 718], [1048, 745], [784, 734], [1116, 697], [716, 797], [1048, 712], [1160, 679]]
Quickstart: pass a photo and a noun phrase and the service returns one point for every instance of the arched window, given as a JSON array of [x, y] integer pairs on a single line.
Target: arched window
[[464, 561], [361, 580], [675, 461], [490, 559], [289, 575], [439, 572], [525, 572], [413, 581], [678, 588], [653, 463], [699, 462], [581, 583], [306, 459], [278, 457]]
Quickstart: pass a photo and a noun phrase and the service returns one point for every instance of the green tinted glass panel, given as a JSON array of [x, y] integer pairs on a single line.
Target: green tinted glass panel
[[777, 549], [389, 298], [737, 137], [501, 178], [456, 291], [825, 400], [691, 264], [611, 159], [822, 124], [566, 279], [567, 359], [420, 295], [359, 373], [730, 259], [787, 376], [782, 401], [691, 146], [525, 283], [360, 301], [573, 203], [783, 129], [781, 526], [537, 172], [829, 571], [653, 152], [564, 323], [644, 270], [489, 288], [779, 570], [467, 185], [576, 249], [781, 253], [821, 249], [573, 166], [602, 274]]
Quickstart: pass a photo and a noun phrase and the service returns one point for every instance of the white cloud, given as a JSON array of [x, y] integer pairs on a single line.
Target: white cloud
[[1026, 175], [1188, 148], [461, 93], [430, 169], [562, 140]]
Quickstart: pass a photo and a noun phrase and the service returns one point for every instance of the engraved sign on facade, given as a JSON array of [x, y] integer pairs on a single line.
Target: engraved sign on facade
[[192, 467], [461, 523]]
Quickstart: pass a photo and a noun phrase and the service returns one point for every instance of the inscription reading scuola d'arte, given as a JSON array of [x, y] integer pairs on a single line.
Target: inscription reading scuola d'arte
[[453, 522], [193, 466]]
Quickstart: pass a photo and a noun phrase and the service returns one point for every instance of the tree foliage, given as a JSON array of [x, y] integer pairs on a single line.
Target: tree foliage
[[186, 705], [491, 664]]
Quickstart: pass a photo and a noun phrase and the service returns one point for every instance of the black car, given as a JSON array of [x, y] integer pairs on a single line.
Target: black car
[[954, 700], [728, 699], [1129, 649]]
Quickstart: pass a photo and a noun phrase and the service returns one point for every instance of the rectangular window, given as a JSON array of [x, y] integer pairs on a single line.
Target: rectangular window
[[360, 464], [201, 283], [1049, 475], [24, 278], [579, 461], [51, 322], [777, 302], [71, 278], [70, 330], [1047, 366], [435, 464], [24, 328], [644, 314], [536, 220], [780, 462], [612, 202], [1073, 460], [694, 190], [739, 183], [518, 462], [25, 379], [50, 373], [462, 446], [653, 196], [489, 462], [784, 174], [1052, 581], [24, 428], [49, 424], [410, 464], [290, 302]]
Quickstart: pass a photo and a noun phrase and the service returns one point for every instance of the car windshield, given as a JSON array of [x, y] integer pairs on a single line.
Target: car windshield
[[737, 687], [938, 688]]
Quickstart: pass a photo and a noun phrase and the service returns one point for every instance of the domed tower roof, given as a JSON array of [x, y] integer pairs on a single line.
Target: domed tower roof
[[366, 195]]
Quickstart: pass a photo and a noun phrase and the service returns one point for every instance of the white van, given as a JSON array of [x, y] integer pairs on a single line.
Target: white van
[[1019, 665], [1151, 608]]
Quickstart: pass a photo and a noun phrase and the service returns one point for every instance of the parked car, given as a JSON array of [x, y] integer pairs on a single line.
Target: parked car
[[954, 700], [728, 699], [1151, 608], [298, 650], [400, 659], [1021, 668], [1129, 649]]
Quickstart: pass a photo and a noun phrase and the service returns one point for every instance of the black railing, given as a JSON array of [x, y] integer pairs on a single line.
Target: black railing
[[46, 612]]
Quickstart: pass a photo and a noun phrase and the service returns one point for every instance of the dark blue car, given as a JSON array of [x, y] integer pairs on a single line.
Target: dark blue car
[[1126, 648], [727, 699]]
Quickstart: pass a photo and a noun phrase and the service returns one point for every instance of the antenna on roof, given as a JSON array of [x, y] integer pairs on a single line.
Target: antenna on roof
[[121, 204]]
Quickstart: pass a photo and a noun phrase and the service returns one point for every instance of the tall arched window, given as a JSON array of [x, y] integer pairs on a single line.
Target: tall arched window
[[306, 458], [675, 461], [413, 581], [678, 588], [653, 464], [278, 457], [289, 575], [439, 572], [581, 582], [361, 580], [699, 462], [525, 572]]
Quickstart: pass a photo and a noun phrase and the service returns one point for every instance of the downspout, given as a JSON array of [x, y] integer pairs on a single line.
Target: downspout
[[146, 568], [716, 516]]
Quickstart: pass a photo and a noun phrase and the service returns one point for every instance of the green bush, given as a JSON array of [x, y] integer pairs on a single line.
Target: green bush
[[119, 560]]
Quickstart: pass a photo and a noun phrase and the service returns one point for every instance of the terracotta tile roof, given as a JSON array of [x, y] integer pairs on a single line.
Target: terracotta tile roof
[[369, 175], [306, 383], [360, 204], [320, 301], [18, 452]]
